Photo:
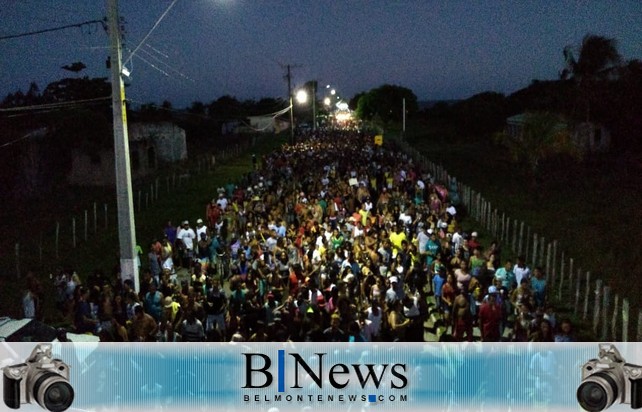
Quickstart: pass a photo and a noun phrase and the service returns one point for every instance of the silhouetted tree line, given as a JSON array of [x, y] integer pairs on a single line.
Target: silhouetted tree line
[[595, 85], [42, 127]]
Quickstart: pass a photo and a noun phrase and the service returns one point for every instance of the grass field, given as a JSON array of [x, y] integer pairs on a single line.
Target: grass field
[[36, 227], [594, 207]]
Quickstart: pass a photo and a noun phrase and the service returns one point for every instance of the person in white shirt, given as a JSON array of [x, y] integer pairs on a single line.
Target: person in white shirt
[[457, 239], [521, 271], [373, 314], [200, 228], [222, 201], [186, 235], [422, 240]]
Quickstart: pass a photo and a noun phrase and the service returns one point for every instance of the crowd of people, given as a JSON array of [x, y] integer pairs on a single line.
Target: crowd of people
[[334, 239]]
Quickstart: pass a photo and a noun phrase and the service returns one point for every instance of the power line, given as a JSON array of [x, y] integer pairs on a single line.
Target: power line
[[53, 105], [14, 141], [150, 32], [68, 26]]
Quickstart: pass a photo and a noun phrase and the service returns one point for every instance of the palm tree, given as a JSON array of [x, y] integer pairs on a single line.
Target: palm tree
[[597, 62], [543, 135]]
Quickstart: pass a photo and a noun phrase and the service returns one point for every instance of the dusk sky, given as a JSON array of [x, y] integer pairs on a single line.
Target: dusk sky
[[204, 49]]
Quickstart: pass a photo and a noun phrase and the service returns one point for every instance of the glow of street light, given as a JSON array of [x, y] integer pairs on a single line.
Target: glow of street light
[[327, 101], [342, 106], [301, 96], [333, 92]]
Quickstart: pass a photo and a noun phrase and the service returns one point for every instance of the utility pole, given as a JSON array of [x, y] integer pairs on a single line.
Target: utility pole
[[288, 76], [403, 129], [124, 198], [314, 105]]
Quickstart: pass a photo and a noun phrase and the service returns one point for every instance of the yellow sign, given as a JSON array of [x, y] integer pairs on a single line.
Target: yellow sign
[[378, 139]]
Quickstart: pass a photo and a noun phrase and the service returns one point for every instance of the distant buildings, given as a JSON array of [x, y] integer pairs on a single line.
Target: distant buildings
[[261, 124], [587, 136], [150, 146]]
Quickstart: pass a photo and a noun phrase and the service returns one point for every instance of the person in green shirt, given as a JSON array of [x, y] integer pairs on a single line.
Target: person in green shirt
[[506, 276], [336, 240]]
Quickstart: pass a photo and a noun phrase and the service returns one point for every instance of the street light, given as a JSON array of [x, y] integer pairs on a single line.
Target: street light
[[301, 96]]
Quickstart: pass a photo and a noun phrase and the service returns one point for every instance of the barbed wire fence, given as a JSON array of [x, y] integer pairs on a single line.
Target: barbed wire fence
[[568, 284]]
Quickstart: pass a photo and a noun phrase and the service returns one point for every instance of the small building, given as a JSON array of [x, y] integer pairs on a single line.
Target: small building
[[150, 145], [588, 137], [262, 124]]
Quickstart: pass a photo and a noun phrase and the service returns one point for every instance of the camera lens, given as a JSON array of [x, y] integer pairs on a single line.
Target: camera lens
[[593, 397], [597, 392], [53, 392], [58, 396]]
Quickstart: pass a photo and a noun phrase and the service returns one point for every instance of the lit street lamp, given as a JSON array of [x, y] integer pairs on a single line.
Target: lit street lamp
[[302, 96]]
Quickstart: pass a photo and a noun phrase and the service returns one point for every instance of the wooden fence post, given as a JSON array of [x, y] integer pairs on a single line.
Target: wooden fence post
[[588, 293], [489, 217], [493, 222], [554, 274], [625, 320], [506, 237], [549, 279], [521, 239], [476, 206], [570, 271], [559, 297], [542, 246], [534, 249], [616, 311], [528, 239], [570, 286], [501, 236], [578, 286], [606, 306], [596, 305]]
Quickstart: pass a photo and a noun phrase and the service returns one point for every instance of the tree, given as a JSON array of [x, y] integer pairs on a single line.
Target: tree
[[225, 108], [72, 89], [542, 136], [354, 102], [385, 103], [597, 62], [197, 108], [75, 67], [480, 115]]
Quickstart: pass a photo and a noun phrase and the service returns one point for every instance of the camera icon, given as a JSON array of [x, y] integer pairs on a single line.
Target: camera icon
[[41, 379], [609, 379]]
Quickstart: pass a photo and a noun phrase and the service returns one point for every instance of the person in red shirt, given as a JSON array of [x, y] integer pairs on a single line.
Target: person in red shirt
[[212, 213], [490, 317], [448, 294], [473, 242]]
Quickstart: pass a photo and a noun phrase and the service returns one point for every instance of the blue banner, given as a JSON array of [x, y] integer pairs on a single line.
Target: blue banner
[[338, 377]]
